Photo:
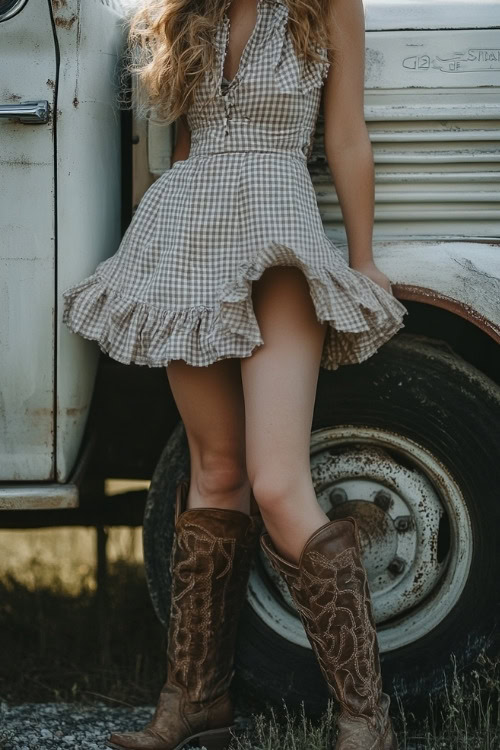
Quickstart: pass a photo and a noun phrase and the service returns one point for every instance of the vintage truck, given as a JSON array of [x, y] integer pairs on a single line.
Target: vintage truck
[[408, 441]]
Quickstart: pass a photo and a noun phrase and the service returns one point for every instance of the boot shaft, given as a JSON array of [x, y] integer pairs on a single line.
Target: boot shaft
[[210, 561], [330, 589]]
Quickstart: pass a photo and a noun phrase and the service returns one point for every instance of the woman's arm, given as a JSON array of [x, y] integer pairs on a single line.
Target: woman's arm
[[182, 140], [347, 145]]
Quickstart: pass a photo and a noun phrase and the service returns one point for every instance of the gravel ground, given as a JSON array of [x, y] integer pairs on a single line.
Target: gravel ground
[[70, 726], [65, 725]]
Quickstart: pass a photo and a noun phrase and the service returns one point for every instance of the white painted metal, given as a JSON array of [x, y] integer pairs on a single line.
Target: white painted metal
[[431, 14], [423, 14], [27, 236], [160, 143], [432, 60], [90, 38], [38, 497], [408, 605], [465, 274]]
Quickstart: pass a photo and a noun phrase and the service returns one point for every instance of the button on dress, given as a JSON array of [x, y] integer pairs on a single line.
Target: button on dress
[[179, 285]]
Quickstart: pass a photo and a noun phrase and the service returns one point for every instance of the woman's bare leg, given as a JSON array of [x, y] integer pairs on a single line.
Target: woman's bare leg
[[279, 385], [210, 402]]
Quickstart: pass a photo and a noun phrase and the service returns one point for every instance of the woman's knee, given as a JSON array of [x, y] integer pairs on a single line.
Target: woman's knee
[[219, 474], [275, 490]]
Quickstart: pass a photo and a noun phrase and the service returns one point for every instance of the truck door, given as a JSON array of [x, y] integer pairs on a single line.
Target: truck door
[[28, 90]]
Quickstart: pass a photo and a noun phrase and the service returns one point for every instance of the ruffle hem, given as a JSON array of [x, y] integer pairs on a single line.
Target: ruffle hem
[[132, 331]]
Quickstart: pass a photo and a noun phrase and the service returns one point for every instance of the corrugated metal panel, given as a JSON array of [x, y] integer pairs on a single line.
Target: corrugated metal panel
[[435, 135], [432, 179]]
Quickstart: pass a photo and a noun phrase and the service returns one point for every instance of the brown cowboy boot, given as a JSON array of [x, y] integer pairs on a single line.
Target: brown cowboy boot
[[330, 590], [211, 558]]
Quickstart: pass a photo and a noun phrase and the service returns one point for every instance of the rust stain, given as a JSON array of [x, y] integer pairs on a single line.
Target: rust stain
[[31, 502], [65, 23], [40, 412], [372, 520], [75, 411], [58, 4], [72, 411]]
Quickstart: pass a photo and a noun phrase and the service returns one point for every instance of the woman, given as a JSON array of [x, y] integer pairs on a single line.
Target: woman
[[226, 277]]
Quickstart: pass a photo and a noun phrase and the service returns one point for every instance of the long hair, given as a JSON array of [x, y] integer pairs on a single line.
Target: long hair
[[170, 47]]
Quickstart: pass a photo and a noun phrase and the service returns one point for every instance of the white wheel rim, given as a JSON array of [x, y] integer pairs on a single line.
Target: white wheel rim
[[405, 502]]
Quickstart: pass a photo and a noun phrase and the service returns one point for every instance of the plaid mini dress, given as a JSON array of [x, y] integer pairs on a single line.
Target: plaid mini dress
[[179, 285]]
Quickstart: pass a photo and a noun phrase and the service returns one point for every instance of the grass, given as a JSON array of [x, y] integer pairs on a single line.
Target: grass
[[57, 647], [63, 640], [291, 731], [464, 717]]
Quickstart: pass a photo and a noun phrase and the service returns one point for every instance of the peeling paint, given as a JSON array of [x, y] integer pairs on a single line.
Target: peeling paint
[[374, 63], [490, 283]]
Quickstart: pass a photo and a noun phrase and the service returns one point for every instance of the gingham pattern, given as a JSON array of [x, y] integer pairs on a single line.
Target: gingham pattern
[[179, 286]]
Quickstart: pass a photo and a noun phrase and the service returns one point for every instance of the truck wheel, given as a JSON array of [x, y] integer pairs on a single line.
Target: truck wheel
[[408, 443]]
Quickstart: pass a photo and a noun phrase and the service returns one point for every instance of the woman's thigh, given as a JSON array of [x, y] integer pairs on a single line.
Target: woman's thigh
[[280, 380], [210, 402]]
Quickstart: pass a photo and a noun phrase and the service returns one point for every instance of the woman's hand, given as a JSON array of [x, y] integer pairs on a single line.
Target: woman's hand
[[375, 274]]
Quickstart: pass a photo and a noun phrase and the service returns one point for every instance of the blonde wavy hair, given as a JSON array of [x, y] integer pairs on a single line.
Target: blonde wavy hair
[[170, 47]]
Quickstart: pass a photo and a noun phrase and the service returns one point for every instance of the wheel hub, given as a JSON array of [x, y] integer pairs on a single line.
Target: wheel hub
[[405, 504]]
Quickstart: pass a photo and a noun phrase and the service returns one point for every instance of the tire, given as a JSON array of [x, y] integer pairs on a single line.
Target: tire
[[159, 520], [407, 442]]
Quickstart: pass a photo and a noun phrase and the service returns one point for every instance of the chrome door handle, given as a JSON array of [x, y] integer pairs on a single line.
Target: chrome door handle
[[33, 113]]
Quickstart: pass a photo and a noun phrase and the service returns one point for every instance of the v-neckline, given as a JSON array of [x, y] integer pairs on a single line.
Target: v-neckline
[[246, 48]]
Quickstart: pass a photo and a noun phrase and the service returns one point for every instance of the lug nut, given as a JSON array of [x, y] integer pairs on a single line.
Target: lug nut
[[337, 496], [383, 500], [396, 566], [402, 524]]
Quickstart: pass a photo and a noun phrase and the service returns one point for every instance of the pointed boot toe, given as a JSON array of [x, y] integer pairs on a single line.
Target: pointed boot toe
[[143, 740], [356, 733], [214, 739]]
